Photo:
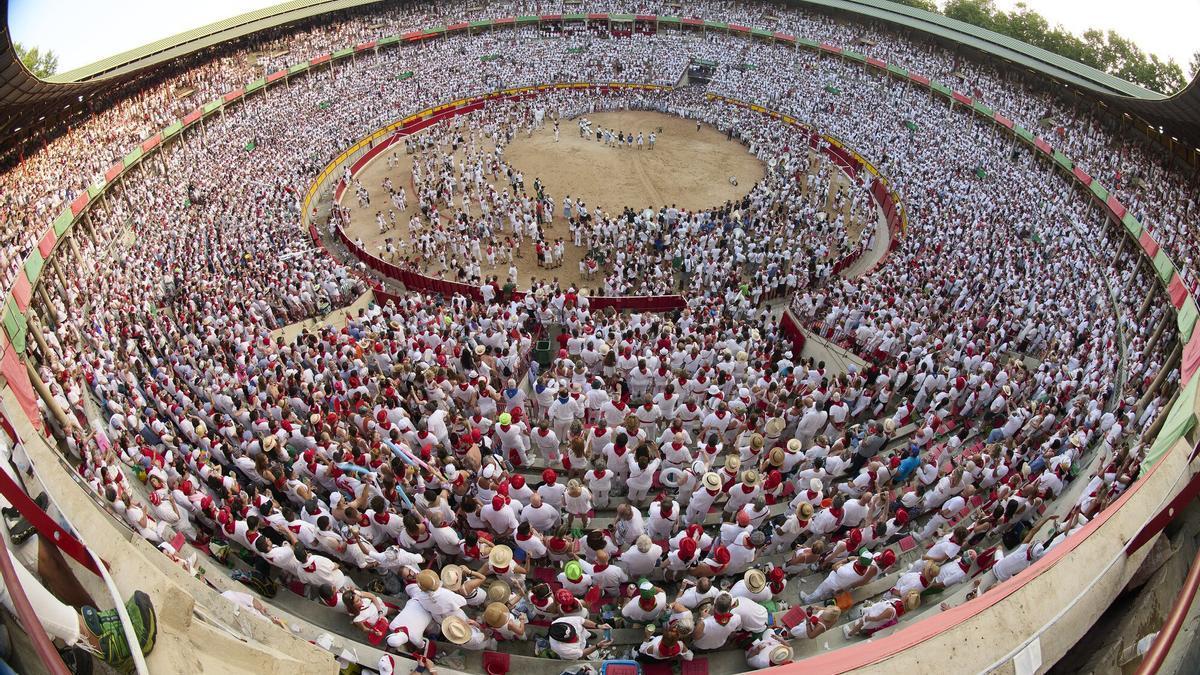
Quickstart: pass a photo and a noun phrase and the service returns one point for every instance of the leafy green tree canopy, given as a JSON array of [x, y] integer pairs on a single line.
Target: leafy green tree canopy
[[40, 63], [1105, 50]]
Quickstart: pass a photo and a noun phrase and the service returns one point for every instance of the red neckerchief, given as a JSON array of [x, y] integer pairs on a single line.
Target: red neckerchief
[[673, 650]]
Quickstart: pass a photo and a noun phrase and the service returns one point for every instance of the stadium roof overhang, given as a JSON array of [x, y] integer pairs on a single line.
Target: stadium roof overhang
[[26, 101], [1178, 115]]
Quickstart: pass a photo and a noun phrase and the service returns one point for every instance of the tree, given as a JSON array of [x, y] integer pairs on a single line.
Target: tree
[[980, 13], [927, 5], [40, 63], [1194, 66], [1108, 51]]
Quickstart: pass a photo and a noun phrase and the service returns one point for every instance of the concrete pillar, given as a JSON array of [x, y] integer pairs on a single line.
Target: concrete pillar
[[35, 329], [1146, 301], [44, 295], [65, 420], [1168, 366], [1161, 417], [1158, 331], [71, 244], [62, 279]]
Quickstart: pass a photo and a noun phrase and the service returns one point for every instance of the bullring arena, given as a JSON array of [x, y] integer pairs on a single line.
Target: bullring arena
[[615, 338]]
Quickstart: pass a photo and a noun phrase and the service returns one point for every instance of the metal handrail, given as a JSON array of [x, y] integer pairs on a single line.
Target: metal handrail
[[1165, 640]]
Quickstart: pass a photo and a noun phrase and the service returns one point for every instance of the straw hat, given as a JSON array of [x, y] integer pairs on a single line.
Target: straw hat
[[912, 601], [501, 556], [756, 441], [712, 481], [496, 614], [498, 591], [456, 629], [794, 445], [775, 426], [805, 510], [428, 581], [775, 457], [452, 577], [780, 654], [755, 580], [750, 477], [732, 463]]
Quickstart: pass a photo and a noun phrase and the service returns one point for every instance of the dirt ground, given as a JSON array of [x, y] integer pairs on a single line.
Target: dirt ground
[[688, 167]]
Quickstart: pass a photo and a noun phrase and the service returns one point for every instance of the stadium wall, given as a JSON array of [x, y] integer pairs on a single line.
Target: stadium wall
[[1022, 625]]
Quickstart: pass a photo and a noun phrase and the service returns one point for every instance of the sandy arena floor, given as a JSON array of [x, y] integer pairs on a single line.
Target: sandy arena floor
[[688, 167]]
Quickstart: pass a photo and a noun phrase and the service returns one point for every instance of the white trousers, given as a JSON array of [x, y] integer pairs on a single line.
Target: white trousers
[[59, 619]]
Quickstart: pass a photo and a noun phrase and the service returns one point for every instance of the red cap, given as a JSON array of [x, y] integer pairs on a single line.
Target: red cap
[[498, 502], [721, 555], [901, 516], [743, 518], [886, 559], [854, 539], [549, 477], [564, 598], [687, 548], [517, 481]]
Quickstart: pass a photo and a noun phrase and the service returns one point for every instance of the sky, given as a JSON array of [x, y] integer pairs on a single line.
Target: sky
[[85, 31]]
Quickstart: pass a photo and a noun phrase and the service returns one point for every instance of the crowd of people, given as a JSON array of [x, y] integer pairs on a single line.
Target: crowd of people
[[473, 210], [416, 472]]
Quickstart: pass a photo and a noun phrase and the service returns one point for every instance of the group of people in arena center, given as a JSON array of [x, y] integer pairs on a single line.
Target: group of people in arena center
[[671, 484], [783, 235]]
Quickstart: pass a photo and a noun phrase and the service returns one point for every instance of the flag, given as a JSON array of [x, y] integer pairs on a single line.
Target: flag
[[832, 89], [912, 126], [324, 105], [405, 75], [489, 57], [575, 50], [251, 146], [980, 172]]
